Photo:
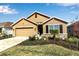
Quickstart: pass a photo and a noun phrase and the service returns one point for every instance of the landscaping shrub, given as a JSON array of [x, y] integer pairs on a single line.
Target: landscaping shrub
[[10, 35], [4, 36], [58, 39], [65, 44], [35, 42], [54, 32], [70, 43], [72, 40], [50, 37], [32, 38], [36, 37]]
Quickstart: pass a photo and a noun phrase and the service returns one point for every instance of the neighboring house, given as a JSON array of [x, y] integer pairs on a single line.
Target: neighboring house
[[5, 27], [39, 23], [73, 29]]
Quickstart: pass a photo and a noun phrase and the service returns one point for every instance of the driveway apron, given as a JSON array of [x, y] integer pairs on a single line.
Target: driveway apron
[[10, 42]]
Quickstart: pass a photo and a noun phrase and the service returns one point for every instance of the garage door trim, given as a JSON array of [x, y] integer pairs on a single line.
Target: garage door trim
[[25, 28]]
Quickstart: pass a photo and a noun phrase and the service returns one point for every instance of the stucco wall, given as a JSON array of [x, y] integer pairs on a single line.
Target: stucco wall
[[39, 18], [24, 23], [53, 21]]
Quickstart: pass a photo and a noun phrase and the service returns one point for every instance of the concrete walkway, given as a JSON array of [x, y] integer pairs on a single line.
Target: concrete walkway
[[7, 43]]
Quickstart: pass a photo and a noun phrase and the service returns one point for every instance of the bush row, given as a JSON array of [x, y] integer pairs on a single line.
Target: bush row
[[6, 36]]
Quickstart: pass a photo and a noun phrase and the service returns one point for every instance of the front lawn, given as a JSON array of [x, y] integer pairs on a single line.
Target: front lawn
[[38, 48]]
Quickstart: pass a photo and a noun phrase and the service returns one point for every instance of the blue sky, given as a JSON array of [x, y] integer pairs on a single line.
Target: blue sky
[[12, 12]]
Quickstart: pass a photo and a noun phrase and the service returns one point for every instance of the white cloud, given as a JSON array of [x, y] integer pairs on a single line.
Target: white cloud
[[67, 4], [47, 4], [64, 4], [5, 9], [74, 12], [72, 7]]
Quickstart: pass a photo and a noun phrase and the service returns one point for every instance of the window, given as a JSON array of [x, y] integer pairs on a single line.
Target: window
[[53, 27]]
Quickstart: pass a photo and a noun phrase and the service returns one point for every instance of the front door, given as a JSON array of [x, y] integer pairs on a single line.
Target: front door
[[40, 29]]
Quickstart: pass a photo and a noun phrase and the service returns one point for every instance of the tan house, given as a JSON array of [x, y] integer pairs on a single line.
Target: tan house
[[38, 23]]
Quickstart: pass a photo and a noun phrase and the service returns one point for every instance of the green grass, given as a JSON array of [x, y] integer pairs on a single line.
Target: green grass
[[38, 48]]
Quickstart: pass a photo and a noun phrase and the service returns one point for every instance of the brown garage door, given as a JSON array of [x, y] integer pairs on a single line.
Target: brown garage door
[[24, 31]]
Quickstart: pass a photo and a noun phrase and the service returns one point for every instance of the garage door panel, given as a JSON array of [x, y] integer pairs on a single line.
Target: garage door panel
[[24, 32]]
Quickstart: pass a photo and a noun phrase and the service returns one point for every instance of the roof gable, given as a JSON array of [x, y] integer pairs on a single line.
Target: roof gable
[[22, 19], [55, 19], [60, 20], [38, 14], [49, 19]]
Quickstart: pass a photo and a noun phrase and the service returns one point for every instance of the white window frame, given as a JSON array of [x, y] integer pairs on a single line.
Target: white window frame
[[53, 24]]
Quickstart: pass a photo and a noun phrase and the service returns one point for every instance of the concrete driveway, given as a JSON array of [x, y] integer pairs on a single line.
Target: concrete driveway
[[7, 43]]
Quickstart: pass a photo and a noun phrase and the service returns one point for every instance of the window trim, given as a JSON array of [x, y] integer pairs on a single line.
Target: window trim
[[54, 24]]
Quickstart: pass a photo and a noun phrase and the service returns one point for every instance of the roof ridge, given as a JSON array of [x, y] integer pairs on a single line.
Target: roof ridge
[[39, 14], [54, 18]]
